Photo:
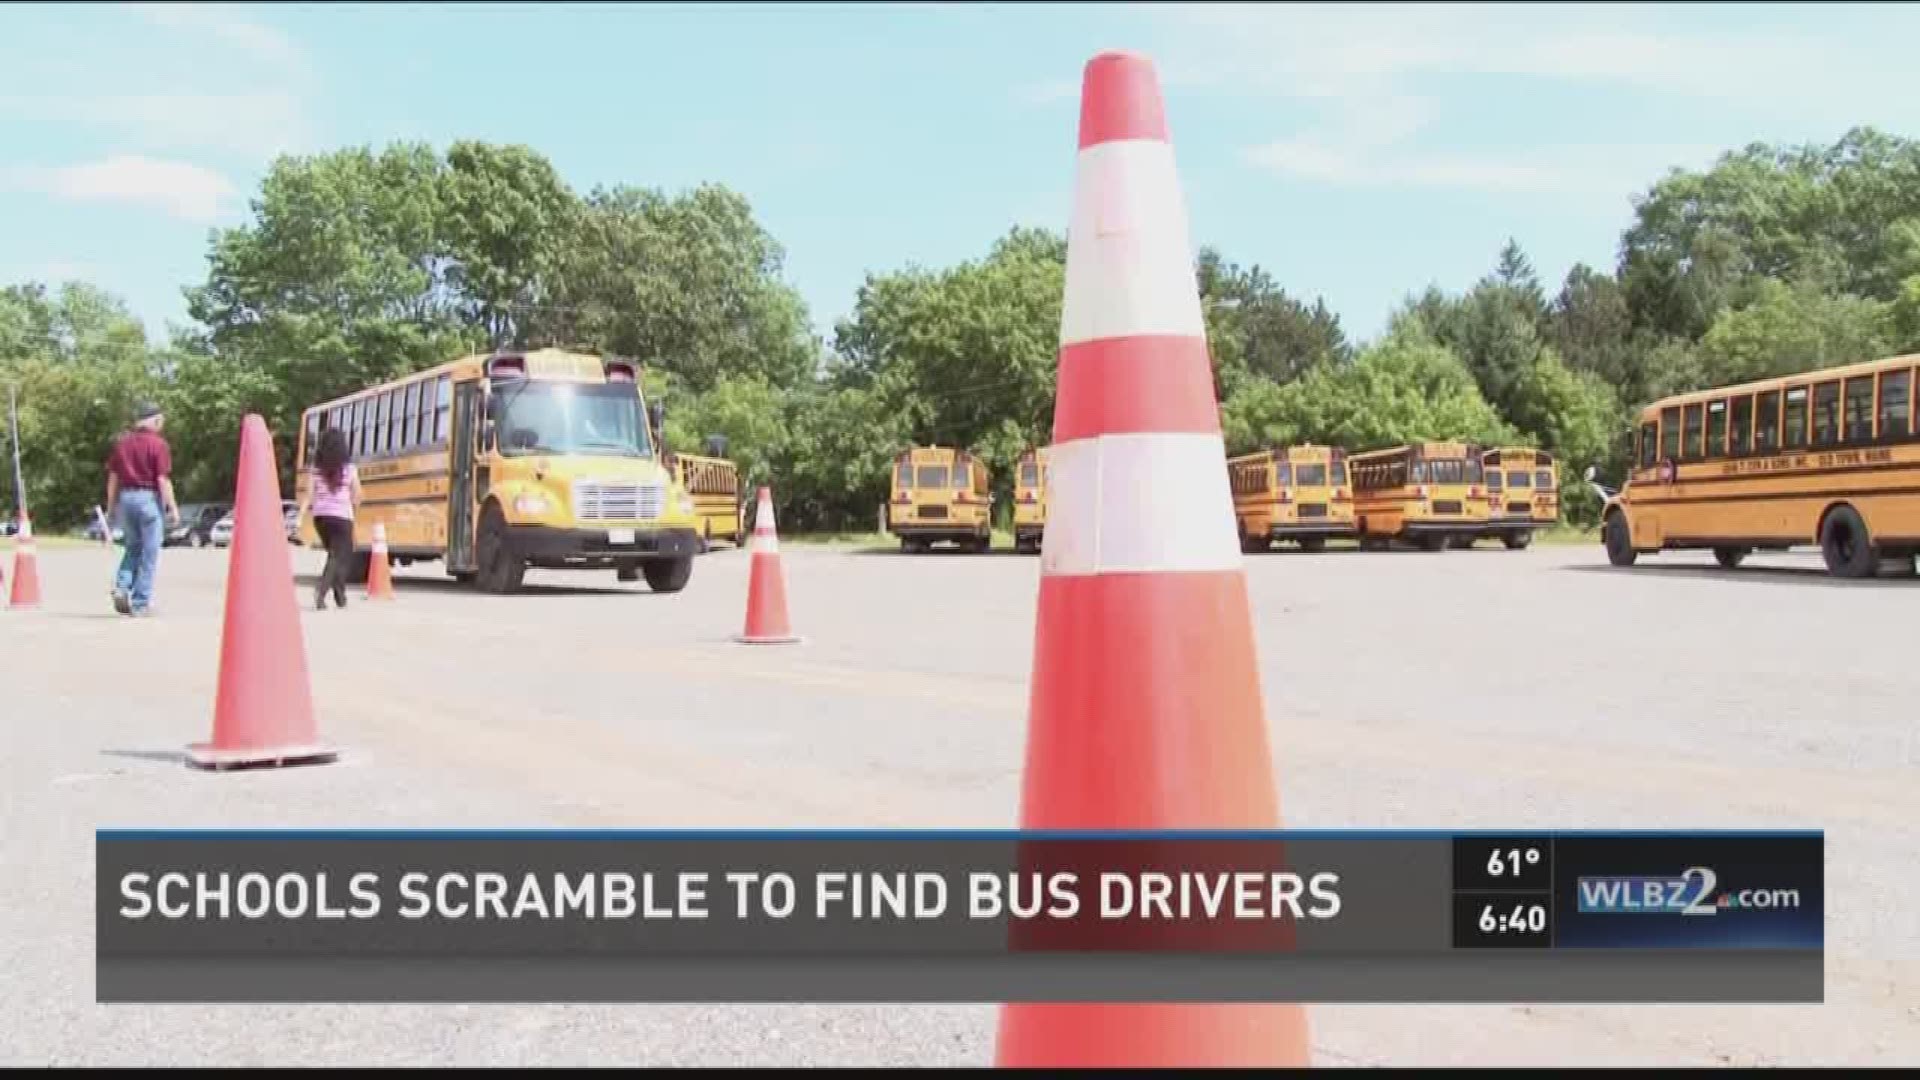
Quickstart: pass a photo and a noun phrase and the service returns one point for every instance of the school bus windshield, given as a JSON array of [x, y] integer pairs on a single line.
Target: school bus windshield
[[602, 419]]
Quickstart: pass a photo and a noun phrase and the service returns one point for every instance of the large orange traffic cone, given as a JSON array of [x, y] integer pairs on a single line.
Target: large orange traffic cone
[[26, 568], [767, 589], [379, 574], [1146, 709], [264, 714]]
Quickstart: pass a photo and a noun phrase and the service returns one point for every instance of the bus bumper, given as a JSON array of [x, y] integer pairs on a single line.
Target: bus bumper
[[1328, 530], [555, 548], [1503, 526], [1024, 533], [948, 531], [1445, 528]]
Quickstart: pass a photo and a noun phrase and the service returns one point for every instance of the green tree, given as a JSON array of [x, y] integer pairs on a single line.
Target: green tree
[[689, 283], [78, 362], [1793, 327]]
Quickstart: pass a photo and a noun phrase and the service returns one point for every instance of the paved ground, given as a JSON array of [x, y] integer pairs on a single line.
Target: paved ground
[[1463, 689]]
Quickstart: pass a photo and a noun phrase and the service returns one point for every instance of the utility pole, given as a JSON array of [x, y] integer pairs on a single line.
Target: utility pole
[[13, 423]]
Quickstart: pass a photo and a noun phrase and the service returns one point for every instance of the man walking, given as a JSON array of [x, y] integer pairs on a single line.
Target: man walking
[[140, 498]]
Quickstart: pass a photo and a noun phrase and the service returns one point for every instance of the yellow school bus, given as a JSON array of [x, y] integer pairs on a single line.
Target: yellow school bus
[[1295, 493], [495, 463], [1522, 494], [1030, 501], [1826, 458], [1427, 493], [940, 493], [714, 484]]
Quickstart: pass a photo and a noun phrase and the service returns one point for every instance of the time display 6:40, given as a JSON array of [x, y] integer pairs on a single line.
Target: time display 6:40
[[1496, 920]]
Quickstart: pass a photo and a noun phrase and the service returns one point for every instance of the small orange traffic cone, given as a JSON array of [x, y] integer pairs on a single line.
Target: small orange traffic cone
[[26, 568], [767, 588], [379, 575], [1145, 710], [264, 713]]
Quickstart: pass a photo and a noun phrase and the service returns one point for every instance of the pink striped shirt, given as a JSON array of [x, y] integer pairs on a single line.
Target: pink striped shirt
[[329, 502]]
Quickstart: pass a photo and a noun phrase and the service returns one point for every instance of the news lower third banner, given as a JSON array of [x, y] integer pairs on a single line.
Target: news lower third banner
[[959, 916]]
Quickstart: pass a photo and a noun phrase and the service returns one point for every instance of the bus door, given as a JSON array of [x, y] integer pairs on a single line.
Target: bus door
[[461, 495], [932, 494], [1311, 492], [1546, 494], [1519, 501]]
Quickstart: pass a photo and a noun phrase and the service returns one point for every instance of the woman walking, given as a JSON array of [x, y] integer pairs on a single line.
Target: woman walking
[[333, 493]]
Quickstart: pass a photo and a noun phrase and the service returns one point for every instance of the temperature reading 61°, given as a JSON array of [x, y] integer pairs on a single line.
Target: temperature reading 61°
[[1512, 862]]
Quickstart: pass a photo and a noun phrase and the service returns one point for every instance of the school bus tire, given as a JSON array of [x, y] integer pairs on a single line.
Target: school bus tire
[[1434, 542], [1517, 540], [1618, 539], [1314, 543], [500, 570], [1729, 557], [1846, 546], [667, 575]]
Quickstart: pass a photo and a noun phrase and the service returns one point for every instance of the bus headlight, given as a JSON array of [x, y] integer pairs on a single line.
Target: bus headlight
[[531, 505]]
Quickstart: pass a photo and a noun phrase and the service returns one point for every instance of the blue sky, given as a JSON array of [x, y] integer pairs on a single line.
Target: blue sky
[[1358, 152]]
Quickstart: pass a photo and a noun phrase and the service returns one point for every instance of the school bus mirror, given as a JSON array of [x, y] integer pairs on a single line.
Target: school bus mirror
[[657, 414]]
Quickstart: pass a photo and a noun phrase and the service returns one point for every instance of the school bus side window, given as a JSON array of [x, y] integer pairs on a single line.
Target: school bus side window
[[1693, 431], [1826, 413], [1859, 410], [1795, 427], [1766, 421], [1649, 444], [1894, 386], [1742, 424], [1670, 433], [1716, 428], [903, 476]]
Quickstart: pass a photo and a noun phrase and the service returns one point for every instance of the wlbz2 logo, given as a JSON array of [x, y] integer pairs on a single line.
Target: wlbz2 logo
[[1691, 893]]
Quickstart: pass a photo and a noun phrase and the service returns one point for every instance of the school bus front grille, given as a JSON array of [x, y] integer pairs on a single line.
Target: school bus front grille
[[1446, 506], [1313, 510], [595, 500]]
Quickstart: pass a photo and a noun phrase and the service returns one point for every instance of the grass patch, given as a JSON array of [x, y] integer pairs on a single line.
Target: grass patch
[[1568, 534], [42, 540]]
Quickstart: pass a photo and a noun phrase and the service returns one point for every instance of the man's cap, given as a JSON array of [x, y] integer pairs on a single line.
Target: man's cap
[[146, 410]]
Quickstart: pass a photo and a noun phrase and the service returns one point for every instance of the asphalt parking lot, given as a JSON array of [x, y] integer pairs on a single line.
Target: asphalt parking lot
[[1482, 688]]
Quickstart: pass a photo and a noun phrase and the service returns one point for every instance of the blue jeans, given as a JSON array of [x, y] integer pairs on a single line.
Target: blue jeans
[[143, 524]]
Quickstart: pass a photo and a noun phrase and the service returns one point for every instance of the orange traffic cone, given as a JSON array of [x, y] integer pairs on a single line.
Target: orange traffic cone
[[1146, 709], [379, 575], [767, 588], [264, 714], [26, 568]]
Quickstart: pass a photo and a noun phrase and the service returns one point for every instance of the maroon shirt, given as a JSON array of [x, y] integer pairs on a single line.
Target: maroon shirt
[[139, 459]]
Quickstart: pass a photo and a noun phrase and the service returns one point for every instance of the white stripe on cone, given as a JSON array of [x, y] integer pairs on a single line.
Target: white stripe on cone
[[1130, 264], [379, 537], [1139, 503], [764, 537]]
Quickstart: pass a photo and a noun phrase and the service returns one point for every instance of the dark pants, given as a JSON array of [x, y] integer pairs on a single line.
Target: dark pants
[[337, 534]]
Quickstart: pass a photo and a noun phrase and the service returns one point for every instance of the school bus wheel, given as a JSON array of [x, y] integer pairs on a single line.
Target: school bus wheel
[[1844, 542], [1433, 542], [667, 575], [1730, 557], [1619, 542], [1516, 540], [500, 569]]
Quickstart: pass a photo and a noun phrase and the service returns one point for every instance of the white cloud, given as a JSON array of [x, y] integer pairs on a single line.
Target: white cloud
[[251, 125], [226, 25], [186, 191], [1371, 80]]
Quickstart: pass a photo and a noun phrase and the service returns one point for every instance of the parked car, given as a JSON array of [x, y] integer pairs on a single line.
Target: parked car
[[93, 532], [221, 534], [196, 524]]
